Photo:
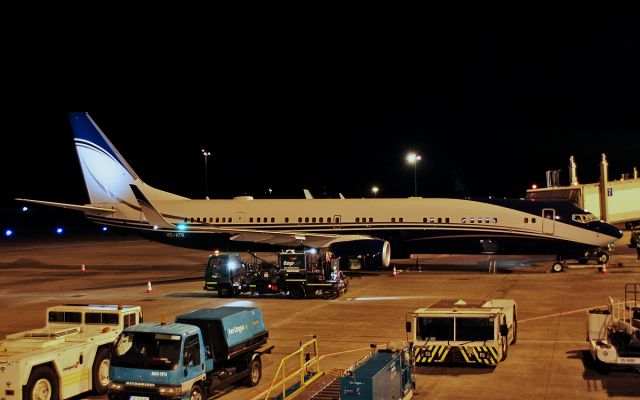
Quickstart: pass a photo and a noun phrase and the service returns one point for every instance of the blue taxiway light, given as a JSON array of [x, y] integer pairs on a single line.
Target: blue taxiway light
[[104, 229], [25, 208], [59, 231], [8, 232]]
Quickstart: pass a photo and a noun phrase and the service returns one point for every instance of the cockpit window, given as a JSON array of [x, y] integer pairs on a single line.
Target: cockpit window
[[583, 218]]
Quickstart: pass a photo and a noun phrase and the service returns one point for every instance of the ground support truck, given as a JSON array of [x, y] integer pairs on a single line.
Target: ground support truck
[[202, 352], [68, 356], [459, 332], [298, 274], [614, 333]]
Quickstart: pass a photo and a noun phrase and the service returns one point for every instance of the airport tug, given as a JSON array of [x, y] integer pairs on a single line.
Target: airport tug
[[457, 332], [614, 333], [68, 356]]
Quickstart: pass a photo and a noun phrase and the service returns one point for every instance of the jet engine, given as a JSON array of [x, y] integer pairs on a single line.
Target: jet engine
[[375, 252]]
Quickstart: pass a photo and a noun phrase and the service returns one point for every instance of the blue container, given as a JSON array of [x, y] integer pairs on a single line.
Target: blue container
[[378, 377]]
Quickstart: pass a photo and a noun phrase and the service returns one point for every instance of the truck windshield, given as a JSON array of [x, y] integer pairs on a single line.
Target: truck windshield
[[434, 328], [147, 351], [474, 329]]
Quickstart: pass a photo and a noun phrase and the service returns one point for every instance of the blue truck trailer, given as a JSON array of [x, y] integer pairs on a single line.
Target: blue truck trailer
[[201, 352]]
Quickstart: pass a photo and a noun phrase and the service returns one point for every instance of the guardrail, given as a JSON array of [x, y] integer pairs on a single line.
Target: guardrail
[[307, 372]]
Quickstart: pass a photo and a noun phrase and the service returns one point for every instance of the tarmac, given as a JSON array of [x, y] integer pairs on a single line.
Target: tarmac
[[549, 361]]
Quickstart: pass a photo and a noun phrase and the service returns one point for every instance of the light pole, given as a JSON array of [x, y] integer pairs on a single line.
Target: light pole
[[206, 155], [413, 158], [375, 191]]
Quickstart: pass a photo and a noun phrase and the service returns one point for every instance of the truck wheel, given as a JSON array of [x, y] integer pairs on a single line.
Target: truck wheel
[[224, 291], [296, 292], [42, 385], [255, 372], [515, 327], [505, 349], [100, 371], [196, 393]]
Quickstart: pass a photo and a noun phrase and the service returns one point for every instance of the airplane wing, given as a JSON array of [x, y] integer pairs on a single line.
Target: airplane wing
[[248, 235], [76, 207]]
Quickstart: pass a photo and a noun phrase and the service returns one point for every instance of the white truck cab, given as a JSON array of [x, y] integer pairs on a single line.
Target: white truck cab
[[66, 357]]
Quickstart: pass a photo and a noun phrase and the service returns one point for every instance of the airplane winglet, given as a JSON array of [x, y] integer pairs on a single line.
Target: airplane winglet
[[341, 196], [150, 212], [307, 194]]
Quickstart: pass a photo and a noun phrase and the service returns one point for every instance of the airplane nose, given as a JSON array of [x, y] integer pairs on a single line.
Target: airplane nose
[[611, 230]]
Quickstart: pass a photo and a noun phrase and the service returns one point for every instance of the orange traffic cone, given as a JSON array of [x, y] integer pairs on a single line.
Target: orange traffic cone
[[149, 289], [82, 269], [395, 273]]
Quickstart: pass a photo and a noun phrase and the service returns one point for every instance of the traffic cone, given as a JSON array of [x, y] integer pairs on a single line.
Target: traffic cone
[[395, 273], [604, 268], [149, 289], [82, 269]]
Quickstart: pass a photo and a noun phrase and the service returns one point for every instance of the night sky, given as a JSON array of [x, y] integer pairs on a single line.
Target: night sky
[[489, 102]]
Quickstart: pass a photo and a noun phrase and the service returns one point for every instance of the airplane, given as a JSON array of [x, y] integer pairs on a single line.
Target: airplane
[[367, 228]]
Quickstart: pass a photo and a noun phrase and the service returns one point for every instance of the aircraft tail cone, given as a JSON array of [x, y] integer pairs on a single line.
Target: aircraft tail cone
[[149, 289], [83, 269]]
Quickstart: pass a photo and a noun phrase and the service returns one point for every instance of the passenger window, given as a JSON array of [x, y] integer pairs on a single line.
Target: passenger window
[[439, 220], [479, 220], [224, 219], [286, 219], [186, 220], [62, 316], [424, 219], [198, 219], [401, 219], [329, 219], [357, 219], [393, 219], [495, 220], [526, 220], [432, 220], [273, 219], [258, 219], [299, 219], [464, 220], [191, 219], [313, 219], [471, 220], [306, 219], [337, 220], [487, 220], [446, 220], [251, 219], [533, 220], [229, 219], [217, 219], [320, 219], [101, 318], [370, 219]]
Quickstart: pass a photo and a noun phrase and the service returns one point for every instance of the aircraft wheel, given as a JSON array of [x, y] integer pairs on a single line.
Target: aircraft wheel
[[557, 267], [603, 258], [225, 291]]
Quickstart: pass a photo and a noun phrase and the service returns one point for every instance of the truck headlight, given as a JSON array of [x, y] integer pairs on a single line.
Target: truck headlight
[[170, 390], [116, 386]]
